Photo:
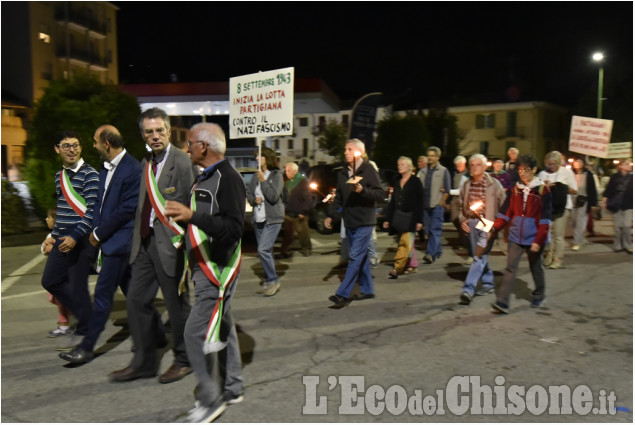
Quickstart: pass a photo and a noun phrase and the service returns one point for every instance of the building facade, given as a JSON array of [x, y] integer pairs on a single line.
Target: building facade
[[47, 40], [531, 127]]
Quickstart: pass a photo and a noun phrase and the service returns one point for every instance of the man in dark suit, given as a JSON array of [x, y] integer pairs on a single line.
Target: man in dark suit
[[157, 256], [113, 223]]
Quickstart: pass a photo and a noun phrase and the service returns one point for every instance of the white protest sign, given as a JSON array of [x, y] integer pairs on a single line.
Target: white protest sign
[[620, 150], [590, 136], [261, 104]]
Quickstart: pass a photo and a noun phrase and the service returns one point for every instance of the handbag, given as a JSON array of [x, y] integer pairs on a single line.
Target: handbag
[[401, 221]]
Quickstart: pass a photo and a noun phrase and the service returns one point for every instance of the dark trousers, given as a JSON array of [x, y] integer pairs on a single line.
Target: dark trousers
[[115, 272], [147, 277], [293, 225], [66, 277]]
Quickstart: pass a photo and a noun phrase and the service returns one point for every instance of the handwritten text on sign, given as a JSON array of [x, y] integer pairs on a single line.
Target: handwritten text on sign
[[261, 105], [590, 136]]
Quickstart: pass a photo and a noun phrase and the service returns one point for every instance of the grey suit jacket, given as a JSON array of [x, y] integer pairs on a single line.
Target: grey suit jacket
[[177, 174]]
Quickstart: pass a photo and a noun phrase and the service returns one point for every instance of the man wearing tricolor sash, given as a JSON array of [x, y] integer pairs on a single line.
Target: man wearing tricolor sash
[[68, 264], [215, 215], [113, 223], [157, 257]]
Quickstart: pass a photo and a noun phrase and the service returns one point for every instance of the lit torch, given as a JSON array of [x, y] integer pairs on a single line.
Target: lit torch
[[487, 225]]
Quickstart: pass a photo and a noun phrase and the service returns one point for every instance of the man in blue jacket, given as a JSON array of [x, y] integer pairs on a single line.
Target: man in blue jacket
[[113, 223]]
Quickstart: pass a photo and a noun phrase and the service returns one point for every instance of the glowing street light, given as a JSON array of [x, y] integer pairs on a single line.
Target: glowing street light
[[599, 57]]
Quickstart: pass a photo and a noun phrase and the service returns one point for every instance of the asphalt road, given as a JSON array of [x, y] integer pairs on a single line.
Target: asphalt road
[[412, 342]]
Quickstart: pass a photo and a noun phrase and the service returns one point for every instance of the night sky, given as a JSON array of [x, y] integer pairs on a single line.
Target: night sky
[[417, 54]]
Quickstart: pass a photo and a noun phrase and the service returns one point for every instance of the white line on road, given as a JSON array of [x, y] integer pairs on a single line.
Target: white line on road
[[92, 281], [9, 281]]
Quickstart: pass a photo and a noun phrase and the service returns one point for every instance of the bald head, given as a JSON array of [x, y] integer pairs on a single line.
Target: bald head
[[108, 142], [109, 133]]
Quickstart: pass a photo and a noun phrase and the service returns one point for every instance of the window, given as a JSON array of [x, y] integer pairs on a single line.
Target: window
[[109, 56], [511, 124], [304, 122], [47, 71], [484, 148], [485, 121], [276, 144], [305, 147], [345, 120], [290, 144], [322, 122]]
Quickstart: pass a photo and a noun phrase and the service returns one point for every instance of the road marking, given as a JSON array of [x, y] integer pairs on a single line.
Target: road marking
[[9, 281], [92, 281]]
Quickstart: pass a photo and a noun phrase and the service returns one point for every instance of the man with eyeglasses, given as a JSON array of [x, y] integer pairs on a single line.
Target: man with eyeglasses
[[527, 212], [66, 272], [113, 224], [215, 216], [157, 255]]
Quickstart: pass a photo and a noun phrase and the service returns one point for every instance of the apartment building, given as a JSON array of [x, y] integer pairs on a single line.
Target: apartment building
[[45, 40], [531, 127]]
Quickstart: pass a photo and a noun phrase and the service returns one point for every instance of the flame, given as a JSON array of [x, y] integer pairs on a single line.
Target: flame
[[357, 154], [313, 186], [476, 206]]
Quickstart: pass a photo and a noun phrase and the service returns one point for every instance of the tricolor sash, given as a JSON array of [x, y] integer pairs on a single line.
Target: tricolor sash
[[223, 279], [158, 203], [74, 199]]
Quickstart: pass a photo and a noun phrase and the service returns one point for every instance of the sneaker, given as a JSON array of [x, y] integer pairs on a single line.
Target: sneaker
[[339, 302], [537, 303], [556, 264], [374, 262], [233, 399], [465, 299], [469, 261], [60, 331], [69, 342], [499, 308], [548, 259], [271, 289], [484, 290], [206, 414], [575, 248], [428, 259]]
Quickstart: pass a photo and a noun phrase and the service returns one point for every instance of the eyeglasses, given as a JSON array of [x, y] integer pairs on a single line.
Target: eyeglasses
[[190, 143], [524, 170], [67, 146]]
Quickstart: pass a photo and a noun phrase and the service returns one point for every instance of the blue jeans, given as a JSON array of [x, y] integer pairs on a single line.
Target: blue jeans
[[358, 262], [479, 268], [433, 222], [266, 235]]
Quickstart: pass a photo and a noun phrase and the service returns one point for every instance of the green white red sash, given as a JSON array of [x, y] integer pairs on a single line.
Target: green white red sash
[[158, 203], [74, 199], [223, 279]]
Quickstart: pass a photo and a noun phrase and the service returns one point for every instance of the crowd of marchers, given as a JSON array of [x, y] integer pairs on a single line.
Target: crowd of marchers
[[175, 220]]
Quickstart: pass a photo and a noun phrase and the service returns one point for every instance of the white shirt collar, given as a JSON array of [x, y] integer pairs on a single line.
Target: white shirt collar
[[77, 165], [116, 160]]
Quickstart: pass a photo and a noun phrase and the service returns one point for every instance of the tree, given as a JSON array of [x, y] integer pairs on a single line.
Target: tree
[[443, 133], [400, 136], [81, 104], [333, 139]]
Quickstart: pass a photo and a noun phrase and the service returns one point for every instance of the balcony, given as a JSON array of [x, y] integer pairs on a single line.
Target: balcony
[[80, 20], [84, 57]]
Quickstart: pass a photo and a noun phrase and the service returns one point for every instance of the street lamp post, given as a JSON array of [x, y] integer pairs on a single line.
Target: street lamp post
[[599, 57]]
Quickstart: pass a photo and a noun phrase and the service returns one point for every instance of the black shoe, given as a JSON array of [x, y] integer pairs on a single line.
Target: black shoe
[[361, 296], [339, 302], [428, 259], [466, 299], [77, 356], [283, 256]]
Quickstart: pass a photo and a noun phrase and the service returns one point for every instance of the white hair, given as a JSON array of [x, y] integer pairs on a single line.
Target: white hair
[[459, 159], [213, 135], [358, 144], [479, 156]]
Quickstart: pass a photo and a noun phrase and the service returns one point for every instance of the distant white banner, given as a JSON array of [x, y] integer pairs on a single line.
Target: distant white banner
[[620, 150], [590, 136], [261, 104]]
